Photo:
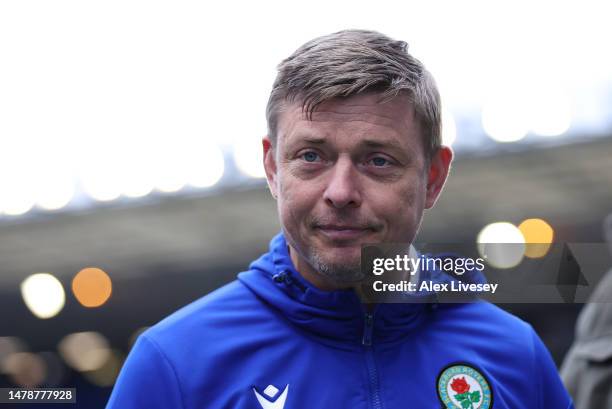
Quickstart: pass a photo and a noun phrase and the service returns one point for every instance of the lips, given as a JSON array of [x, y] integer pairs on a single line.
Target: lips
[[343, 232], [340, 227]]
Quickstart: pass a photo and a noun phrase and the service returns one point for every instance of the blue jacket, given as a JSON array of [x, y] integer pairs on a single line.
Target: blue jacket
[[271, 340]]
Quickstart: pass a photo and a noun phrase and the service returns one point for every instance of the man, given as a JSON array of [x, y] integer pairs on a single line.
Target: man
[[587, 368], [353, 156]]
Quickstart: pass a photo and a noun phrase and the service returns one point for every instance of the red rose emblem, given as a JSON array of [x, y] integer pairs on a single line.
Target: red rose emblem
[[460, 385]]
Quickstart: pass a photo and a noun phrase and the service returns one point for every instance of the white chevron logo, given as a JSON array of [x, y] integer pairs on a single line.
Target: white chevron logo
[[271, 391]]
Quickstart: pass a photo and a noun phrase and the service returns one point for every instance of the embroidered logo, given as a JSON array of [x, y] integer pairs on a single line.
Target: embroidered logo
[[461, 386], [272, 393]]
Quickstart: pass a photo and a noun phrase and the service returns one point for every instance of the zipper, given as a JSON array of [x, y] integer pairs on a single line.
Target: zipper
[[367, 329], [366, 341], [285, 277]]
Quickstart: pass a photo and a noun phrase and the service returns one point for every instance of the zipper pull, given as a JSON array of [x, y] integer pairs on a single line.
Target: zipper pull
[[280, 277], [367, 329], [286, 278]]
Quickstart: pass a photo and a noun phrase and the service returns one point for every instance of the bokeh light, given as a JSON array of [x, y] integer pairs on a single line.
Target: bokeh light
[[84, 351], [501, 244], [137, 182], [43, 294], [15, 198], [92, 287], [551, 113], [18, 173], [504, 118], [55, 188], [190, 161], [26, 369], [248, 154], [9, 346], [538, 235], [100, 178], [204, 164]]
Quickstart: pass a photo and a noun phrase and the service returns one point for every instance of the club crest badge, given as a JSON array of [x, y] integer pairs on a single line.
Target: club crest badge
[[461, 386]]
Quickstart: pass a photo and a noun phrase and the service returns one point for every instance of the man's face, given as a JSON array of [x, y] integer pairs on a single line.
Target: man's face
[[356, 173]]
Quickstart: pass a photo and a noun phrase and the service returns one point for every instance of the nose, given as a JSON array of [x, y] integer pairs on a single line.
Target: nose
[[343, 189]]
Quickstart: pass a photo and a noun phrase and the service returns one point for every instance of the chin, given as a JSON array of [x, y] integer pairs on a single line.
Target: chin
[[339, 261], [340, 252]]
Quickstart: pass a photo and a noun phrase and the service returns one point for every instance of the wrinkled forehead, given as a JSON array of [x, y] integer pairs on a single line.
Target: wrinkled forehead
[[366, 114]]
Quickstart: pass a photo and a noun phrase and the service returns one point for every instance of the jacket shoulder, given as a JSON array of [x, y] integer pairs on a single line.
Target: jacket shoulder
[[181, 354], [489, 318]]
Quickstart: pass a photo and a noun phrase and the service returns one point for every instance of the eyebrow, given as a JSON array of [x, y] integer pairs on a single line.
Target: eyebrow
[[371, 143], [387, 143], [315, 140]]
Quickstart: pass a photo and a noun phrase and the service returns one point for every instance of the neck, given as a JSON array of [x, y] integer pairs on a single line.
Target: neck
[[361, 288], [325, 284]]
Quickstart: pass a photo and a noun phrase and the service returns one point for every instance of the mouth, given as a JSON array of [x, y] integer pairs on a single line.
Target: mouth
[[336, 232]]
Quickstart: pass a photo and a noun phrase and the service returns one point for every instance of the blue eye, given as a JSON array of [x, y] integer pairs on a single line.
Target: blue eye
[[310, 156], [379, 162]]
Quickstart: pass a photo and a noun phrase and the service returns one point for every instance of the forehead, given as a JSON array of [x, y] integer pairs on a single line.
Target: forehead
[[357, 116]]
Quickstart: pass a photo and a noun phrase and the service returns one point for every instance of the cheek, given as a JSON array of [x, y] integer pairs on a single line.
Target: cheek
[[413, 193], [295, 202], [402, 206]]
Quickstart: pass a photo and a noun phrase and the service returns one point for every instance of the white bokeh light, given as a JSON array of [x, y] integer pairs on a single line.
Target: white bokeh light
[[101, 184], [501, 244], [26, 369], [169, 174], [138, 88], [16, 198], [504, 117], [248, 154], [17, 177], [8, 346], [85, 351], [56, 188], [192, 161], [101, 175], [43, 294], [551, 111], [204, 164], [136, 184], [137, 166]]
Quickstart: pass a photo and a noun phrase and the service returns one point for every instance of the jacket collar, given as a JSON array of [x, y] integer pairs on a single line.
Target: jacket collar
[[333, 317]]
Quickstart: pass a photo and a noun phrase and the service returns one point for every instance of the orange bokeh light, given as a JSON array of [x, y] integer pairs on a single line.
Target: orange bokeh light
[[92, 287], [538, 236]]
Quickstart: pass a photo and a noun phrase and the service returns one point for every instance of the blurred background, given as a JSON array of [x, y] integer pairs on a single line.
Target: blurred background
[[130, 161]]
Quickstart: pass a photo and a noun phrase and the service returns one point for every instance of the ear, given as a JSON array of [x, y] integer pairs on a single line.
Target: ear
[[269, 162], [438, 172]]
